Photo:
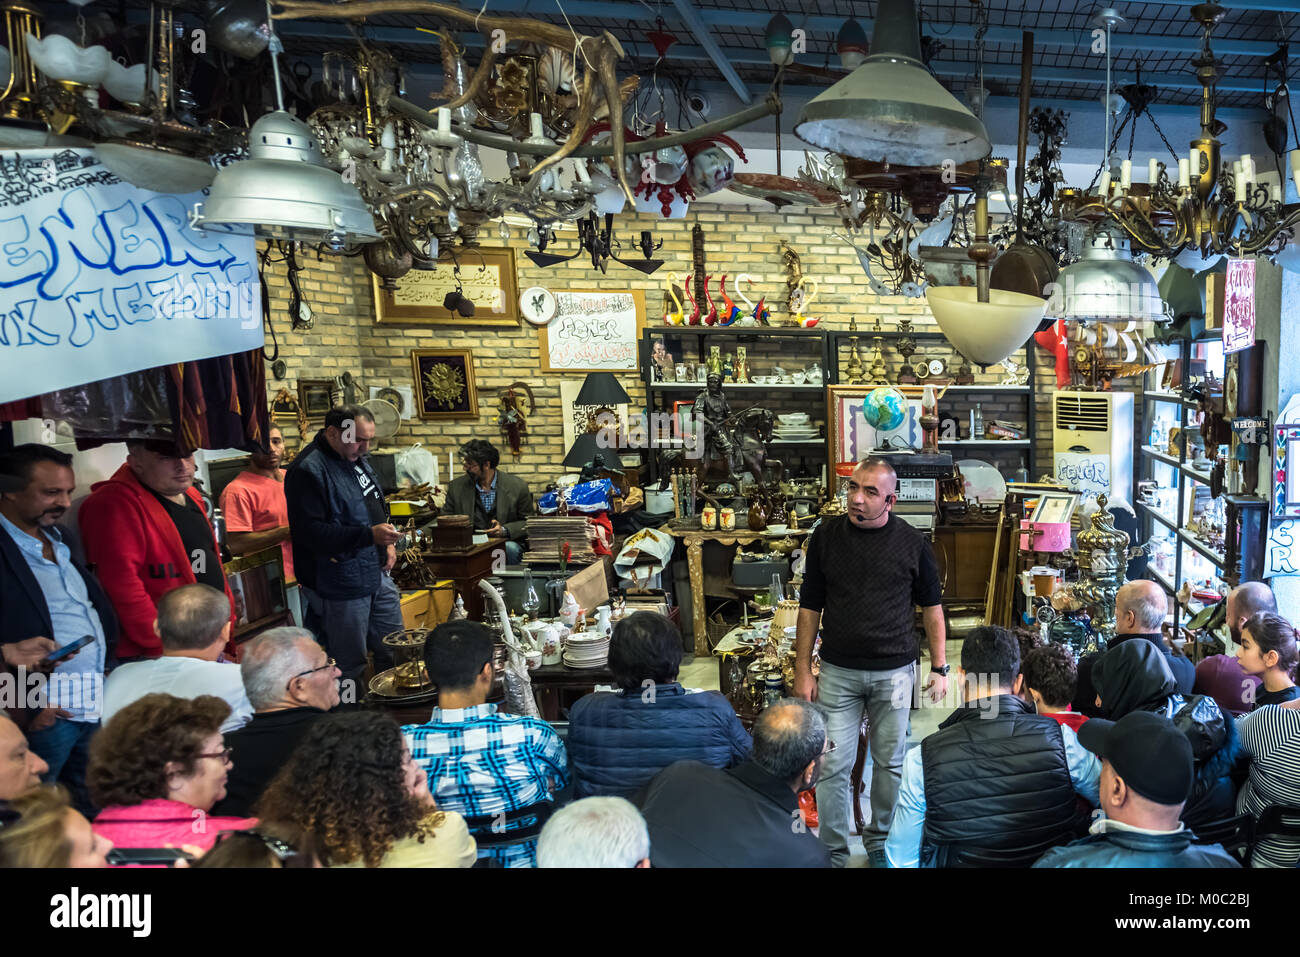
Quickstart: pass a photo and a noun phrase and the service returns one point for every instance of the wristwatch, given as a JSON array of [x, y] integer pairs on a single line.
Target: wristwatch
[[941, 671]]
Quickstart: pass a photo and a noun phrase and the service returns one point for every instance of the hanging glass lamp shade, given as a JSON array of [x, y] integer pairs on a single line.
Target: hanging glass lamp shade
[[985, 332], [891, 109], [284, 190]]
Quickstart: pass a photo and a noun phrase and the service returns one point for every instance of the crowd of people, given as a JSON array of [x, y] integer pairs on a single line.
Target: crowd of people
[[1126, 758]]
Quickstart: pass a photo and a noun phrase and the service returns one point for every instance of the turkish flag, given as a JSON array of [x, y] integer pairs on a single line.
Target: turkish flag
[[1054, 339]]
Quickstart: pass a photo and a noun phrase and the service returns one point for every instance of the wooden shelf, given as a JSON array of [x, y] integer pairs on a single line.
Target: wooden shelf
[[737, 330], [1167, 397], [988, 388], [1198, 474]]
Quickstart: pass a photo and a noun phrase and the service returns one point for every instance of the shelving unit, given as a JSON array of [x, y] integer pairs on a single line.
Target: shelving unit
[[957, 399], [1186, 555]]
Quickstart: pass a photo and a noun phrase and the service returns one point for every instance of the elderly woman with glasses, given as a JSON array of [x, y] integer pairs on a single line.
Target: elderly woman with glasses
[[157, 768]]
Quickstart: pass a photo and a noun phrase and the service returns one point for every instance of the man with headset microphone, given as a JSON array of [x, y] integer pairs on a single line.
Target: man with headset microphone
[[865, 573]]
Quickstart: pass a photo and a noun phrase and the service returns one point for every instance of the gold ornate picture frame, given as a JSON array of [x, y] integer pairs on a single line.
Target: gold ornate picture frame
[[444, 384], [487, 276]]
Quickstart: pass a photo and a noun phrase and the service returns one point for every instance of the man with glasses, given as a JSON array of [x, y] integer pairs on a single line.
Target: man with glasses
[[193, 625], [746, 816], [291, 684]]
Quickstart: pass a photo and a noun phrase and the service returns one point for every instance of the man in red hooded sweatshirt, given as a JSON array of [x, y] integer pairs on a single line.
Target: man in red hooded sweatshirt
[[146, 532]]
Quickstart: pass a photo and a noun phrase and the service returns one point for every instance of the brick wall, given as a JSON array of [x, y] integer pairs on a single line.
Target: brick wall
[[738, 239]]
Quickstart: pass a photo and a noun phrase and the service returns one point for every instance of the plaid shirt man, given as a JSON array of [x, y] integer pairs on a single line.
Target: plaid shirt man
[[488, 496], [482, 763]]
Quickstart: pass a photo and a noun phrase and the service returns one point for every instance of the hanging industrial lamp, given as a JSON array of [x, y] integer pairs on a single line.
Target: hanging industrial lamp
[[891, 109], [284, 190]]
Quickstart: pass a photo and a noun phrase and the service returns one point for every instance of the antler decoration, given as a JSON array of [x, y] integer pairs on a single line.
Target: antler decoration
[[601, 53]]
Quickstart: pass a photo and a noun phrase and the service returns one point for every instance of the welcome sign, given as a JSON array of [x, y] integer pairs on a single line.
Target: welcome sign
[[99, 278]]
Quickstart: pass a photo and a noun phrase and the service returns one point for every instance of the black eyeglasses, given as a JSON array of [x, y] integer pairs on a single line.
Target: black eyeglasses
[[329, 663], [224, 754]]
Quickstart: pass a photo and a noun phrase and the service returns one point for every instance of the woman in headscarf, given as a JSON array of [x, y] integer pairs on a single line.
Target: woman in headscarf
[[1133, 676]]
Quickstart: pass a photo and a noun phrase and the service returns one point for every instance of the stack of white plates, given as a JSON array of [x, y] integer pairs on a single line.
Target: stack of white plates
[[795, 426], [587, 649]]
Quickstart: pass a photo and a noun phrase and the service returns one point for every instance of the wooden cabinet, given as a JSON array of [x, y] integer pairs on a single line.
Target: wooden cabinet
[[965, 557]]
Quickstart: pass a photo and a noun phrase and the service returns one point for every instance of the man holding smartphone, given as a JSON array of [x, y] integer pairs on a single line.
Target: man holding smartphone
[[49, 601]]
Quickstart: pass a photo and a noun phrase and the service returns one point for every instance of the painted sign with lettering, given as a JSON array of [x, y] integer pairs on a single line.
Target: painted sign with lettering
[[99, 278], [1239, 305], [1282, 553], [593, 331], [1085, 472]]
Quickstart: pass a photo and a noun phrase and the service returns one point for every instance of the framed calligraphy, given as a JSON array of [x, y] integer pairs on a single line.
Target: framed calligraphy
[[489, 284], [593, 331]]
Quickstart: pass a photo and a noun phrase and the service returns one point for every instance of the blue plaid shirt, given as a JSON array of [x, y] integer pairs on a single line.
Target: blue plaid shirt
[[481, 763], [488, 498]]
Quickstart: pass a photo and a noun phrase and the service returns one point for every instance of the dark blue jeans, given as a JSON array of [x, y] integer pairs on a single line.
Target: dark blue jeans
[[65, 747], [347, 627]]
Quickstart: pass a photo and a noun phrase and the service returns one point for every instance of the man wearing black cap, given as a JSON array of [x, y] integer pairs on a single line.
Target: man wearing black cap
[[1146, 772]]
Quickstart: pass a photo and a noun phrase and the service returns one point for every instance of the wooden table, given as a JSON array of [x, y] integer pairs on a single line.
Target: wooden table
[[467, 567], [551, 681], [694, 537]]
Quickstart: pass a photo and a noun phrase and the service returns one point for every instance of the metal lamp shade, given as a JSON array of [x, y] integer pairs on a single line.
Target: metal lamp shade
[[157, 169], [890, 109], [601, 388], [985, 332], [284, 190], [1106, 285]]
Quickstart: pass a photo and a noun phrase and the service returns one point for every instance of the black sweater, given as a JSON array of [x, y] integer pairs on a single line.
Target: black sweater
[[866, 583]]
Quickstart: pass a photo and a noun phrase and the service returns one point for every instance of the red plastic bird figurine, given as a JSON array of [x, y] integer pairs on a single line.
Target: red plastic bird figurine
[[710, 317]]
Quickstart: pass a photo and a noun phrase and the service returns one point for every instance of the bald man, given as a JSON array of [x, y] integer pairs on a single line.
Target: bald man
[[1140, 609], [1221, 676], [1245, 602]]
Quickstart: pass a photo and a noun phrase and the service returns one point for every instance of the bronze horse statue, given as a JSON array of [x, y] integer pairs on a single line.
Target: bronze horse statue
[[750, 431]]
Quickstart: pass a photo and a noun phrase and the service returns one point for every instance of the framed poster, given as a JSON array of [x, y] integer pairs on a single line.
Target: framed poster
[[314, 397], [487, 279], [444, 384], [1239, 305], [578, 419], [1055, 507], [593, 331], [850, 438]]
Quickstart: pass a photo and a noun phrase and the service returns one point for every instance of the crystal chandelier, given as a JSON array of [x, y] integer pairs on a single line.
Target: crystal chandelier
[[1212, 208]]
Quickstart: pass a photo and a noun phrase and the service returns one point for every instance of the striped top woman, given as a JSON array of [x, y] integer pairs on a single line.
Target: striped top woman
[[1271, 736]]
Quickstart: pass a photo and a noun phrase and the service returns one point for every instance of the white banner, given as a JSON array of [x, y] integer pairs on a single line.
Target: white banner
[[99, 278]]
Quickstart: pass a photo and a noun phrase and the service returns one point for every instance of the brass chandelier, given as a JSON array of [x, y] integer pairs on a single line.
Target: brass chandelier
[[1213, 207]]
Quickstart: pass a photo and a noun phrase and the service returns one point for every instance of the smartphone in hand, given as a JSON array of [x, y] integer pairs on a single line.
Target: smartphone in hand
[[64, 652]]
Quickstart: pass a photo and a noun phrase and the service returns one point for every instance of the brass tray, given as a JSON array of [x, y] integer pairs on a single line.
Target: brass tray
[[384, 685]]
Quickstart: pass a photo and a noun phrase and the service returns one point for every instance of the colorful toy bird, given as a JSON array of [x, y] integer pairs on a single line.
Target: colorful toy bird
[[673, 318]]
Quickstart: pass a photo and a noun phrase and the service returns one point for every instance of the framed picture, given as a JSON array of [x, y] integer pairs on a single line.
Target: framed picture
[[314, 397], [850, 438], [487, 279], [1055, 507], [594, 330], [444, 384]]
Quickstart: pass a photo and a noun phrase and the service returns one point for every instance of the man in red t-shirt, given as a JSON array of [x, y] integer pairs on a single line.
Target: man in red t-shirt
[[1050, 675], [254, 506]]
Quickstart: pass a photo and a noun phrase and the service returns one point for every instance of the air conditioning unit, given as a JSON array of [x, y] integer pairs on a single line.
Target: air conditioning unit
[[1092, 443]]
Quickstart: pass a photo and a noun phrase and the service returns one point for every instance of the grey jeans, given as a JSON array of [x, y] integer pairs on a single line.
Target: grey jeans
[[346, 627], [842, 695]]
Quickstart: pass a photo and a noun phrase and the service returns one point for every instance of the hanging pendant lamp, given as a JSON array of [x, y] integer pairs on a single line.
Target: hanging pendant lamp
[[891, 109], [284, 190]]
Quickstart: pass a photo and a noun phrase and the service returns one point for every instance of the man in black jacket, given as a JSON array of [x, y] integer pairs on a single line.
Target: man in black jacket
[[48, 598], [997, 783], [1145, 778], [498, 503], [746, 816], [343, 544], [1140, 608], [291, 684]]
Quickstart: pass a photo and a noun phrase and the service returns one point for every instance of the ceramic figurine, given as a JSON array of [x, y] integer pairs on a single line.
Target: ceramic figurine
[[742, 365], [673, 318], [714, 361], [728, 368], [730, 312]]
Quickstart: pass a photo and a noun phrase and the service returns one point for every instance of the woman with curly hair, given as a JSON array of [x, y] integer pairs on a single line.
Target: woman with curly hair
[[353, 787], [41, 829], [156, 768]]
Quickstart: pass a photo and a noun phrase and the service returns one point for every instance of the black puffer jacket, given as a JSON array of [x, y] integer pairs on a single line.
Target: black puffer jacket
[[1133, 676]]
